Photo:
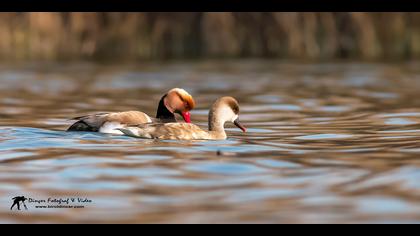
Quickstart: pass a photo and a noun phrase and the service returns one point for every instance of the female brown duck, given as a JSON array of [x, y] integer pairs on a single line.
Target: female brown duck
[[175, 101], [225, 109]]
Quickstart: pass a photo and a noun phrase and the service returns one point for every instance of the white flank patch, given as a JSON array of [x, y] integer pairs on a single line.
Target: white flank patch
[[111, 128], [149, 120]]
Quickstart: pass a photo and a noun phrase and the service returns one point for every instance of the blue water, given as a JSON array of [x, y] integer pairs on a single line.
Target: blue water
[[333, 143]]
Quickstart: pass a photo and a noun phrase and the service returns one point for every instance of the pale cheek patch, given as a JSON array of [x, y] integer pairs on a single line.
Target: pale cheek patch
[[234, 118], [227, 114], [111, 128]]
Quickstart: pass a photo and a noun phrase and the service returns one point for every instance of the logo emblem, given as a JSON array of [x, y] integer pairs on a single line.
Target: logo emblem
[[17, 200]]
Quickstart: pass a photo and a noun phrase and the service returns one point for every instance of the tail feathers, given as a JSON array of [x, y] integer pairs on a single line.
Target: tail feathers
[[129, 132], [82, 126], [89, 123], [135, 132]]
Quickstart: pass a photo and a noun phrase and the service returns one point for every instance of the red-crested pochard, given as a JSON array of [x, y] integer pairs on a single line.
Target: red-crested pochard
[[175, 101], [225, 109]]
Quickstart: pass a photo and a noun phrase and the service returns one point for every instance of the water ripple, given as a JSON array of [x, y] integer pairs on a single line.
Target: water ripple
[[326, 143]]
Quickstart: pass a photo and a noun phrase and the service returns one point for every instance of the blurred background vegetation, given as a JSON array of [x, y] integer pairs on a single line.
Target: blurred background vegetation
[[146, 36]]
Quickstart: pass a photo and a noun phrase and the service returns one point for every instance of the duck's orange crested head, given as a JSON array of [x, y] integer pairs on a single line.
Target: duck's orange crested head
[[181, 102]]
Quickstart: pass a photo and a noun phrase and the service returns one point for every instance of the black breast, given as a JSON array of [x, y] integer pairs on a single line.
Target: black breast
[[163, 114]]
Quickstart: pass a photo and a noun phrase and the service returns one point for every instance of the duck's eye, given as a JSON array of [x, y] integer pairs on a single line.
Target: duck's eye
[[236, 110]]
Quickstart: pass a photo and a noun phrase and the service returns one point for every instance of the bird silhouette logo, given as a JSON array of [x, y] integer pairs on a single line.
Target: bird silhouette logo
[[17, 200]]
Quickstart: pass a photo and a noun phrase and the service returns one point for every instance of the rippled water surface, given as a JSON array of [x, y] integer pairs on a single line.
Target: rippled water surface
[[327, 143]]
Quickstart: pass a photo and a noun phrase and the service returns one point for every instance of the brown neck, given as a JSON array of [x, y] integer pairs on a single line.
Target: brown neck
[[214, 124]]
